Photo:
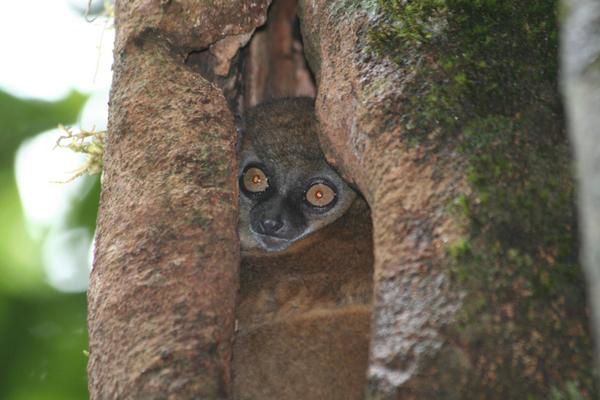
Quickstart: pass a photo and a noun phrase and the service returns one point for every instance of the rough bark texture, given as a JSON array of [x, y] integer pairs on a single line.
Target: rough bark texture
[[163, 288], [190, 25], [275, 66], [412, 297], [581, 87], [446, 116]]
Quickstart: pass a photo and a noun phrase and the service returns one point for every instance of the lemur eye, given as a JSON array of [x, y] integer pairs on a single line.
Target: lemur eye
[[254, 180], [320, 195]]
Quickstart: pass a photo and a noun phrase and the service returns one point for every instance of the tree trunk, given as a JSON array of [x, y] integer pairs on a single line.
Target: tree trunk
[[444, 114], [581, 87], [163, 287], [447, 117]]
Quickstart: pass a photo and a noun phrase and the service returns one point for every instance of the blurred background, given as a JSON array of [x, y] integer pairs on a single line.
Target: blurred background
[[55, 69]]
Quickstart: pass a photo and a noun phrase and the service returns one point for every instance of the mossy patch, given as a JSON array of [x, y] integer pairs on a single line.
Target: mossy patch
[[485, 80], [519, 263], [475, 58]]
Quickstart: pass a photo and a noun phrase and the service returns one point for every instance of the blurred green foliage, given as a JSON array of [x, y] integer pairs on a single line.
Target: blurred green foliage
[[43, 332], [21, 118]]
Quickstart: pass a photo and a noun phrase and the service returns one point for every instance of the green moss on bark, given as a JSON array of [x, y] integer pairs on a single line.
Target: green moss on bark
[[486, 83], [475, 58]]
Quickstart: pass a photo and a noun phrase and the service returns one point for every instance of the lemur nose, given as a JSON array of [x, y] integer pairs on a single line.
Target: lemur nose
[[270, 225]]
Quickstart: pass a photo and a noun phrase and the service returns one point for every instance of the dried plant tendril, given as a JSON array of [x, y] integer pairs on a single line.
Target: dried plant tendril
[[90, 143]]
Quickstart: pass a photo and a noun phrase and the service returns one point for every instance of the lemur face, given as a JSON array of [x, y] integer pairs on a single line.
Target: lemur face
[[287, 190]]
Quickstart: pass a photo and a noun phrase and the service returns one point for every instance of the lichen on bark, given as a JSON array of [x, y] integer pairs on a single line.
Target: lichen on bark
[[580, 73]]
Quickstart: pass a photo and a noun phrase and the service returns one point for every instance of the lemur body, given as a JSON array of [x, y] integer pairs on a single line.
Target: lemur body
[[306, 275]]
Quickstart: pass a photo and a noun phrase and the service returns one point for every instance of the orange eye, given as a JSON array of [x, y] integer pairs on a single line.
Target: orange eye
[[255, 180], [320, 195]]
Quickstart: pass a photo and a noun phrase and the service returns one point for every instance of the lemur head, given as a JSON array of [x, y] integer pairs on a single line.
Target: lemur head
[[287, 190]]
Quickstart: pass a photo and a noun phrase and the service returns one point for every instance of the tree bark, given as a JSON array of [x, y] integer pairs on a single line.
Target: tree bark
[[445, 117], [581, 88], [444, 114], [275, 66], [165, 276]]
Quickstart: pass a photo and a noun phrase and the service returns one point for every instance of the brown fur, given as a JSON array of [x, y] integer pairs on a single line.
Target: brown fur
[[303, 317]]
